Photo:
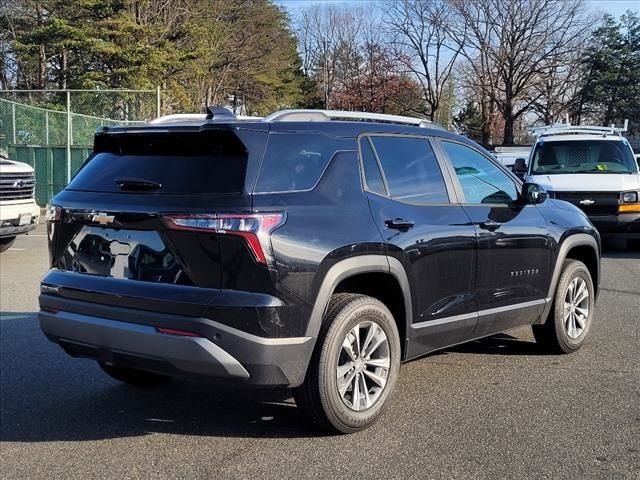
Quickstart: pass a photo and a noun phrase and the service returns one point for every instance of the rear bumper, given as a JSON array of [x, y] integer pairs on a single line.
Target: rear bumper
[[624, 225], [129, 338]]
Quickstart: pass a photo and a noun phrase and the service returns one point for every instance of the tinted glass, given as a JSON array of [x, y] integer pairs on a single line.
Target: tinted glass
[[372, 175], [195, 163], [481, 180], [411, 170], [295, 161], [583, 156]]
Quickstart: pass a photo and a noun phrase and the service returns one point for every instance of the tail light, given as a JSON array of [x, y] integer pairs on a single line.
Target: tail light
[[255, 228]]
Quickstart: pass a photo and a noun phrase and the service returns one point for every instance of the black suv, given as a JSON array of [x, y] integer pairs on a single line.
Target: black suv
[[312, 250]]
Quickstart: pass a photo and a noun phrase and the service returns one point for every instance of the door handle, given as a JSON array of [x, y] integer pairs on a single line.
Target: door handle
[[490, 225], [399, 224]]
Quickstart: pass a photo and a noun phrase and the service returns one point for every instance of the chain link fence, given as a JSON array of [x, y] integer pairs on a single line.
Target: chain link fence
[[52, 130]]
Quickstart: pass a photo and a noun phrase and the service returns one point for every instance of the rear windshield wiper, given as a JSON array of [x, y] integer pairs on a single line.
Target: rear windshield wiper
[[129, 183]]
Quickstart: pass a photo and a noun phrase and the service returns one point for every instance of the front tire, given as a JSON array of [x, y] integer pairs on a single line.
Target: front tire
[[5, 243], [131, 376], [569, 322], [355, 365]]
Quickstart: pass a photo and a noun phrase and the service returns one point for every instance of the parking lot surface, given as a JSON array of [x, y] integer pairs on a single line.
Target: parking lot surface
[[494, 408]]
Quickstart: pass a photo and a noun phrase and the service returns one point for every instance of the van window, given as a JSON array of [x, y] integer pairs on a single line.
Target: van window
[[583, 156]]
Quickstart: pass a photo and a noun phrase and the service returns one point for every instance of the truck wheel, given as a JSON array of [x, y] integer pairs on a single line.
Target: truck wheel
[[131, 376], [355, 365], [5, 243], [569, 322]]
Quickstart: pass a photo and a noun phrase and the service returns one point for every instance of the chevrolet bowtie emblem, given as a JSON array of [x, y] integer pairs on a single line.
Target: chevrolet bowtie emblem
[[102, 218], [586, 201]]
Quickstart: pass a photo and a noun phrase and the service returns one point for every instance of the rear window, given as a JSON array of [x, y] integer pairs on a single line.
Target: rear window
[[296, 161], [208, 162]]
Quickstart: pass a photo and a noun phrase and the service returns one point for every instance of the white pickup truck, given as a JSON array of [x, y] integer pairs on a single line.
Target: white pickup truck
[[19, 212], [593, 168]]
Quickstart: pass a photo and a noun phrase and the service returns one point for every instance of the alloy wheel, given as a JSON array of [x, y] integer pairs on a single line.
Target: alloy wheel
[[363, 366], [576, 308]]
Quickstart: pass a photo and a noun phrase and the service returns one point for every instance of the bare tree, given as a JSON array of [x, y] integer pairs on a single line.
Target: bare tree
[[329, 37], [513, 44], [420, 31]]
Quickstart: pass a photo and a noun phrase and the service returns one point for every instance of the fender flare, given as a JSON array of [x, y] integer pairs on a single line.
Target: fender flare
[[354, 266], [576, 240]]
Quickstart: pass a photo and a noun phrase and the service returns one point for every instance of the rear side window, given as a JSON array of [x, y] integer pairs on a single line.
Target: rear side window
[[372, 175], [411, 170], [296, 161], [209, 162]]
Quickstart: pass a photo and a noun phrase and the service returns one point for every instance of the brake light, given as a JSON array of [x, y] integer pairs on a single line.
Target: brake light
[[255, 228]]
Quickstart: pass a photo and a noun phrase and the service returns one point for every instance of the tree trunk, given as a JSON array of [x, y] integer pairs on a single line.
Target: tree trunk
[[508, 128], [42, 66], [64, 69], [485, 111]]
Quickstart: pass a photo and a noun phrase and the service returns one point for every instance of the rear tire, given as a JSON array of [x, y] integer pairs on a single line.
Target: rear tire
[[131, 376], [355, 365], [5, 243], [569, 321]]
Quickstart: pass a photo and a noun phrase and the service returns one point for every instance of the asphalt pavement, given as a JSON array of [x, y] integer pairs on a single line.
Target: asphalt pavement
[[494, 408]]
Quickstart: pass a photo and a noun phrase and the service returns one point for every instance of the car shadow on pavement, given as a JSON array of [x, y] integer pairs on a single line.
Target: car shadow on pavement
[[500, 344], [618, 249], [45, 395]]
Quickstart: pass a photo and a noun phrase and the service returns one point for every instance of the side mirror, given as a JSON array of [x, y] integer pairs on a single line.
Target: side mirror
[[520, 167], [532, 194]]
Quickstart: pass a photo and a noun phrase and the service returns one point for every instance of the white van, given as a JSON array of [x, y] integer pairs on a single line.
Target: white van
[[593, 168]]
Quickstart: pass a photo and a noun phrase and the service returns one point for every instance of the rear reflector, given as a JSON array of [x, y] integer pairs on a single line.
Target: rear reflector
[[179, 333], [255, 228]]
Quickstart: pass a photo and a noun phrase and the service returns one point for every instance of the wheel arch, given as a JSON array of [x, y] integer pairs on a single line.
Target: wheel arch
[[378, 276], [581, 247]]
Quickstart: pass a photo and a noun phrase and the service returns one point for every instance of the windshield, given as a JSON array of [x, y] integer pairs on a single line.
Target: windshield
[[583, 156]]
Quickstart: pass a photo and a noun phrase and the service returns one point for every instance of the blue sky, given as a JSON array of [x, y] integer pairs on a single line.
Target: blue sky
[[613, 7]]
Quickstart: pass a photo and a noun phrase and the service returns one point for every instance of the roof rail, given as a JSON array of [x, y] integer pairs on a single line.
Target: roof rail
[[328, 115], [568, 129], [195, 117]]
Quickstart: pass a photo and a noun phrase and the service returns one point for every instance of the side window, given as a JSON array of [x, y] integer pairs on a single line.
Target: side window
[[372, 175], [295, 161], [411, 170], [481, 180]]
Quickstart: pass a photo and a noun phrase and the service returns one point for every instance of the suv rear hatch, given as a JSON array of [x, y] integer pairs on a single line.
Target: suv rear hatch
[[160, 219]]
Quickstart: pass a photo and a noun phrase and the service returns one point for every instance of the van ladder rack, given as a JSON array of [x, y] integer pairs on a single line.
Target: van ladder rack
[[568, 129]]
